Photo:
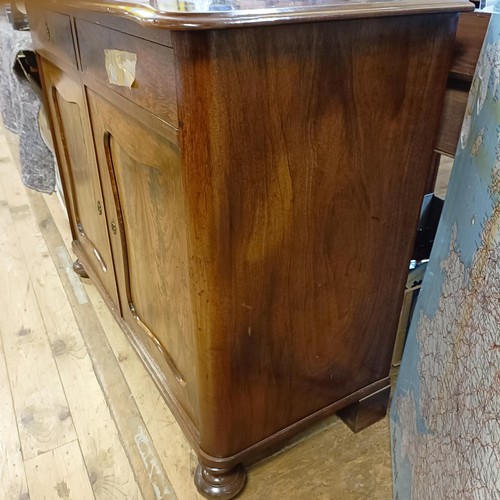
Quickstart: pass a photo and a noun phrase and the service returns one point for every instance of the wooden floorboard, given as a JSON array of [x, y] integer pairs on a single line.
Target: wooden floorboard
[[43, 416], [12, 474], [59, 474]]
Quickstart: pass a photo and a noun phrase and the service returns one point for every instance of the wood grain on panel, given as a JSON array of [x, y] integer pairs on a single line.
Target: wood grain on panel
[[306, 152], [142, 170], [141, 115]]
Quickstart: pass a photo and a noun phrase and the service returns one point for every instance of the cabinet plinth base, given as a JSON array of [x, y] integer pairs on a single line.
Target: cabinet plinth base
[[218, 483], [366, 411], [79, 269]]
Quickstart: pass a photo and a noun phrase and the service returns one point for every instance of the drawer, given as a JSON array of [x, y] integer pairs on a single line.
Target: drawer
[[52, 35], [452, 116], [154, 86], [471, 31]]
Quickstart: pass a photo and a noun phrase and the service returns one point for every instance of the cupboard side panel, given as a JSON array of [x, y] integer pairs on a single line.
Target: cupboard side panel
[[306, 149]]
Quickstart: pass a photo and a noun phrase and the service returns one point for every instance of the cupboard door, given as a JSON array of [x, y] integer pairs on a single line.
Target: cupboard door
[[144, 180], [76, 158]]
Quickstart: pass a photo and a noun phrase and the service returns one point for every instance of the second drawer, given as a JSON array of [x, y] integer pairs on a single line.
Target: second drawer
[[154, 86]]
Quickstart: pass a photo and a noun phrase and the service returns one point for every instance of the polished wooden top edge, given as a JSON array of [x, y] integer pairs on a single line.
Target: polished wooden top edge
[[148, 16]]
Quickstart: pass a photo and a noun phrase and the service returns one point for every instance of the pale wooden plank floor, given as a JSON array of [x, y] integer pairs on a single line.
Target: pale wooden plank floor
[[80, 417]]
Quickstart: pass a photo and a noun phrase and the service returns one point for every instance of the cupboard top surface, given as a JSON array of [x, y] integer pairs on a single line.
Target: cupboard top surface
[[215, 14]]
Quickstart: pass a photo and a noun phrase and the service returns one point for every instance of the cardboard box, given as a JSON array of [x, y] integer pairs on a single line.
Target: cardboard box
[[413, 285]]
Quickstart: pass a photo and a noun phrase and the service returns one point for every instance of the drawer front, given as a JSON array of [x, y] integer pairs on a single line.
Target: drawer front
[[153, 86], [52, 35]]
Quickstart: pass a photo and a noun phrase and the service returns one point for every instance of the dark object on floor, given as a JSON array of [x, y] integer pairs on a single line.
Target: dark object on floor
[[20, 107], [16, 16], [430, 214], [25, 67]]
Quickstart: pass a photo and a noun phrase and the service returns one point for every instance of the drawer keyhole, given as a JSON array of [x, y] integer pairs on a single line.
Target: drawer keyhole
[[47, 31], [99, 207], [114, 227]]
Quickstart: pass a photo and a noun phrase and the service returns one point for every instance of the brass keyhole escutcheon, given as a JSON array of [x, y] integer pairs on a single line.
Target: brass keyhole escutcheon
[[99, 207], [114, 227]]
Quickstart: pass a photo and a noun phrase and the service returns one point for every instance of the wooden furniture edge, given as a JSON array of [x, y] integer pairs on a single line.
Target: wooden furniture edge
[[149, 17]]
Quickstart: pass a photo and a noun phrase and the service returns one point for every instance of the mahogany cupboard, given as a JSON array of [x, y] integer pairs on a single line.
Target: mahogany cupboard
[[243, 184]]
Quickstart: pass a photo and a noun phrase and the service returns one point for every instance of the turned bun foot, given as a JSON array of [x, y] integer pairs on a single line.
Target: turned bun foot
[[79, 269], [219, 483]]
